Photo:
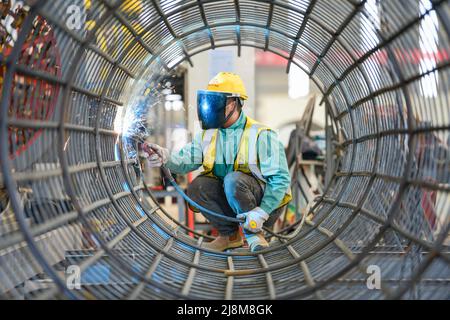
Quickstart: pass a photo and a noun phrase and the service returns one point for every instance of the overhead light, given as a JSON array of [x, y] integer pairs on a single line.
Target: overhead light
[[298, 80], [429, 41]]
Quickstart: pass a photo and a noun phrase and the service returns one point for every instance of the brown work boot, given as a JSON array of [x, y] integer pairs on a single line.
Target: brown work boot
[[222, 243], [256, 241]]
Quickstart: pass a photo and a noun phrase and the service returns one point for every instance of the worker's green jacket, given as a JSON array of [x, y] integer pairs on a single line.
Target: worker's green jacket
[[276, 173]]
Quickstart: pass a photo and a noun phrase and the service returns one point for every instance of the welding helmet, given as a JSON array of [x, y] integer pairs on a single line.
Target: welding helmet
[[211, 103], [211, 108]]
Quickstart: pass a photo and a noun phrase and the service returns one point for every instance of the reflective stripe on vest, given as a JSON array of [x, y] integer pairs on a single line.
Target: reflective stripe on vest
[[209, 150], [255, 130]]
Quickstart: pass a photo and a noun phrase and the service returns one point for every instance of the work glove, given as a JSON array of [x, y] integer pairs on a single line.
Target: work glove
[[157, 155], [254, 219]]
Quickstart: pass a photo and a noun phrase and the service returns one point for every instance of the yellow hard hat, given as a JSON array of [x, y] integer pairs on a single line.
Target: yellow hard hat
[[228, 82]]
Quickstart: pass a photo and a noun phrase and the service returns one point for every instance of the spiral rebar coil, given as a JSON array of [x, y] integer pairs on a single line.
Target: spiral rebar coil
[[383, 69]]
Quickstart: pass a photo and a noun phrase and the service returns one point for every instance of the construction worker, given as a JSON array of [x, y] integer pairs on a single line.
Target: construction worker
[[245, 172]]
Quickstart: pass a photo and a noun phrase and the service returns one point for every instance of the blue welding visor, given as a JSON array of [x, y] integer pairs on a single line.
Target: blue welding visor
[[211, 108]]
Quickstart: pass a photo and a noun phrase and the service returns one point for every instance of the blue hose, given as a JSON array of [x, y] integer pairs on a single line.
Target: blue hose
[[172, 181]]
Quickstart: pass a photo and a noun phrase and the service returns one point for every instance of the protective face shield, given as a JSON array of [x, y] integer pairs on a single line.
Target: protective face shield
[[211, 108]]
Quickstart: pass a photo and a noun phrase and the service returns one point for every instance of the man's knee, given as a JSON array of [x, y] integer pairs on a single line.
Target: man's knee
[[243, 191]]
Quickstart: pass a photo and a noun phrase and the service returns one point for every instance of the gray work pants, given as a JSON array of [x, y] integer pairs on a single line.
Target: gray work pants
[[237, 193]]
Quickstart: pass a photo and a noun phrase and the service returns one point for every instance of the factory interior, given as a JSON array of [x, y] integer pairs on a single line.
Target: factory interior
[[354, 92]]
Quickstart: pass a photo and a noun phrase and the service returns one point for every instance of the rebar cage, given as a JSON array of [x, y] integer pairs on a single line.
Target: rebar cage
[[68, 66]]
